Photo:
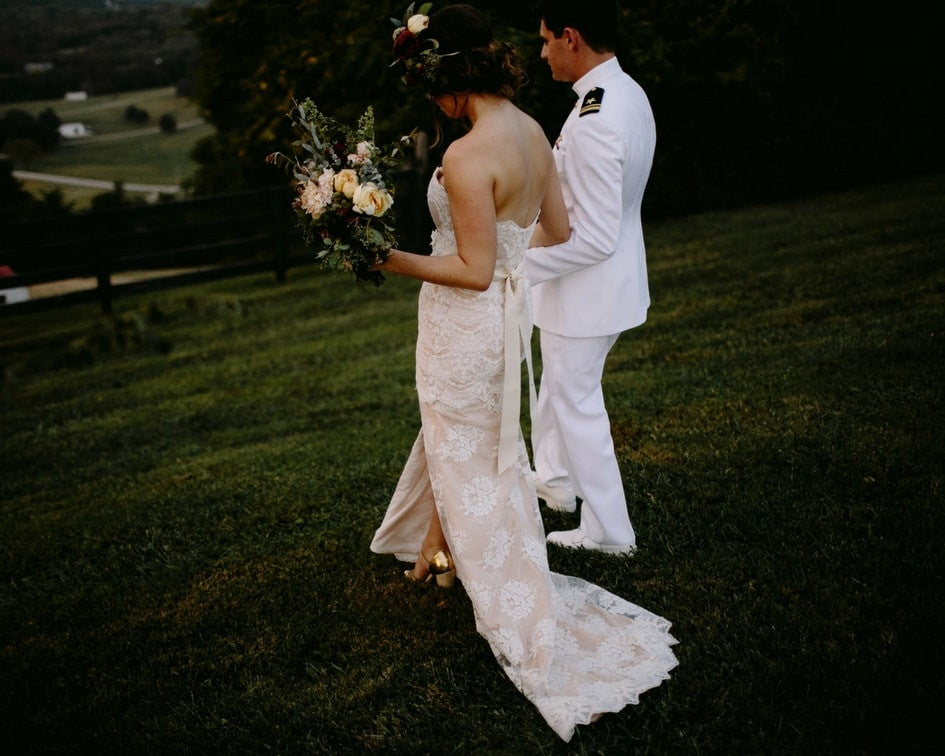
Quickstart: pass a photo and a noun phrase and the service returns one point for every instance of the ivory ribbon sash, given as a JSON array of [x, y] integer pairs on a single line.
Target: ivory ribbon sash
[[518, 333]]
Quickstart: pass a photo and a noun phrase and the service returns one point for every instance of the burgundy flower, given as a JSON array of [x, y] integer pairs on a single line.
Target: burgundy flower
[[406, 45]]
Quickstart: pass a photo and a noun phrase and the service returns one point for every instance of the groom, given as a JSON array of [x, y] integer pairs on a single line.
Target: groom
[[592, 287]]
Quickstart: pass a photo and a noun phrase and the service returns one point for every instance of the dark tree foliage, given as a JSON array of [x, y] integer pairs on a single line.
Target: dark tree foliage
[[753, 100], [256, 58], [11, 193], [16, 204], [167, 123], [43, 130], [48, 124], [134, 114]]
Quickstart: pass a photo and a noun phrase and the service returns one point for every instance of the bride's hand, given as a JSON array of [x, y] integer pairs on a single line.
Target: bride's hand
[[382, 264]]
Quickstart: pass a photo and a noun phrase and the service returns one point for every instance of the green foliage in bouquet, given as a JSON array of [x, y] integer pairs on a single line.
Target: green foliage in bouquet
[[344, 197]]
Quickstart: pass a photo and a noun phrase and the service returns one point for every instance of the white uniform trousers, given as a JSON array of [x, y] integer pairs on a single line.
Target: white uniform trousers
[[574, 448]]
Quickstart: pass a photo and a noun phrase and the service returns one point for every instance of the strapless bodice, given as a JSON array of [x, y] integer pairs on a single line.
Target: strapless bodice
[[512, 239]]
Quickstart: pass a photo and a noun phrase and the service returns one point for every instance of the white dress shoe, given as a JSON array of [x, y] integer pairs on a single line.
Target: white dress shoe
[[578, 539], [556, 497]]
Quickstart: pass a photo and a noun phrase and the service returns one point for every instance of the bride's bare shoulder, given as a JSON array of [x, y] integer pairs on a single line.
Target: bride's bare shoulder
[[466, 147], [470, 154]]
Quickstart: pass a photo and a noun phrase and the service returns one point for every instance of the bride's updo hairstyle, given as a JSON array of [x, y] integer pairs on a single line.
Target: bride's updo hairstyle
[[470, 58]]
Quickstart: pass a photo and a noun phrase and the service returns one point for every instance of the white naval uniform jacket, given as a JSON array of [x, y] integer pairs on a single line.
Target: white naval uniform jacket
[[595, 283]]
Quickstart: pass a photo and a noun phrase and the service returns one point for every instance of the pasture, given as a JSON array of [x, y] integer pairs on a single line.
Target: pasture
[[119, 150]]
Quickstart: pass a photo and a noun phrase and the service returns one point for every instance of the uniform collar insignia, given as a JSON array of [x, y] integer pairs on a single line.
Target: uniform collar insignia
[[592, 101]]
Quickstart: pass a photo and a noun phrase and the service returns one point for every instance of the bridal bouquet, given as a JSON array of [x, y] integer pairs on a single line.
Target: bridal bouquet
[[344, 201]]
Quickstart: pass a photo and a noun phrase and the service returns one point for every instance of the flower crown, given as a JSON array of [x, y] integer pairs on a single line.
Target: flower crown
[[420, 57]]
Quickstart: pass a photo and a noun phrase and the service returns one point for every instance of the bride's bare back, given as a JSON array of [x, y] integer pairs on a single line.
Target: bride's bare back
[[501, 170]]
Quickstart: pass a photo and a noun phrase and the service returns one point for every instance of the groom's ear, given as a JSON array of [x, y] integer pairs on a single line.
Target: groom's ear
[[571, 36]]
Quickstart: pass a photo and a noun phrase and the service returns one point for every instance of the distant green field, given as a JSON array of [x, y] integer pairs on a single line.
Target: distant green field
[[119, 150]]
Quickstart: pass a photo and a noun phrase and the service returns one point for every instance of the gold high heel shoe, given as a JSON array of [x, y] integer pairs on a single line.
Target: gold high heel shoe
[[440, 566]]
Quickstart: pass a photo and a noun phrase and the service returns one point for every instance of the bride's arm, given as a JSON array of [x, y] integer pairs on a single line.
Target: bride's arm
[[469, 186], [553, 225]]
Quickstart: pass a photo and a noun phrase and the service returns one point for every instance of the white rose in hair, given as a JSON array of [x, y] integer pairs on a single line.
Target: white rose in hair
[[417, 23]]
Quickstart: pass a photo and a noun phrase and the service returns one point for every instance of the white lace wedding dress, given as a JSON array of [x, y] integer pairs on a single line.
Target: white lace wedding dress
[[575, 650]]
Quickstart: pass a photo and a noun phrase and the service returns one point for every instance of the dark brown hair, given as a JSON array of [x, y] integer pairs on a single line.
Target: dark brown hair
[[471, 59], [595, 19]]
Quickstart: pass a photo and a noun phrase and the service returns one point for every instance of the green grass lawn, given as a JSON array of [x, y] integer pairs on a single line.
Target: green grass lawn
[[189, 489]]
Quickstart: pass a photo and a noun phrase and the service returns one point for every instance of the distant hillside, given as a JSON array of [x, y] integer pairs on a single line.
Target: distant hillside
[[97, 4], [97, 46]]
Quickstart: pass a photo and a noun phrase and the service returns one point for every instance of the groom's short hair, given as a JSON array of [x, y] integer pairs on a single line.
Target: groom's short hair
[[595, 19]]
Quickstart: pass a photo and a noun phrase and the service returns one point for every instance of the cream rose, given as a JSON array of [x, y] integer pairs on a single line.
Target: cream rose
[[418, 23], [371, 200], [346, 181]]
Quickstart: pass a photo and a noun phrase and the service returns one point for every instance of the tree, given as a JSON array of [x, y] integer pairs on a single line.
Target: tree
[[753, 101], [134, 114], [16, 204], [706, 66], [254, 62], [16, 123], [42, 131], [167, 123], [22, 151], [11, 191], [47, 132]]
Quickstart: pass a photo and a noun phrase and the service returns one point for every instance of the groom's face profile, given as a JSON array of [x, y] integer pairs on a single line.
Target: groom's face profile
[[554, 51]]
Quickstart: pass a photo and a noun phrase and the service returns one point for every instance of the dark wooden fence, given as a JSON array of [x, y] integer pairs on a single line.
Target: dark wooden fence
[[200, 239], [184, 242]]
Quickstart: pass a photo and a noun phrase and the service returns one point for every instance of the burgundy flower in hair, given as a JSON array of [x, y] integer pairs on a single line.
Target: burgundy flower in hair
[[418, 56], [406, 44]]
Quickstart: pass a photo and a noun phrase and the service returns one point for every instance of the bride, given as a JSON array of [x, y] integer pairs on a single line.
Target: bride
[[465, 506]]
